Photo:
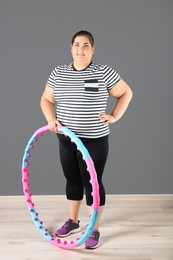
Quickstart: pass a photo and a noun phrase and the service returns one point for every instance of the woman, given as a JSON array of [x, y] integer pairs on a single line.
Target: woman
[[80, 91]]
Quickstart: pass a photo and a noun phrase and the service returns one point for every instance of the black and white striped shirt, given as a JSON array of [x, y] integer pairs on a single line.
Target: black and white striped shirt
[[81, 95]]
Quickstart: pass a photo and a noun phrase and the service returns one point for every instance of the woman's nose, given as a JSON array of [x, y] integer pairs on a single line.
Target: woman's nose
[[81, 48]]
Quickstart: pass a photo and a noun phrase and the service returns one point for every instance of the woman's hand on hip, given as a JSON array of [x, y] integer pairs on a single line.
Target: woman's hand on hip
[[107, 118]]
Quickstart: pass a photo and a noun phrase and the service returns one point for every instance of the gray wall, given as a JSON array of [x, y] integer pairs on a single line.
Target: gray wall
[[133, 36]]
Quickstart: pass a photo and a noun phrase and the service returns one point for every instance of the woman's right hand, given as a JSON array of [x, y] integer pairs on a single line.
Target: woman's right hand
[[53, 125]]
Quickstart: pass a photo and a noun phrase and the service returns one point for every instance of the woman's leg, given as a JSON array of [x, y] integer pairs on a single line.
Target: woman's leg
[[74, 207], [74, 185], [98, 150]]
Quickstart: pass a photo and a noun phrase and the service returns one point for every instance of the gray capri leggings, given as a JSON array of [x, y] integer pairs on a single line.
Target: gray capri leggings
[[74, 167]]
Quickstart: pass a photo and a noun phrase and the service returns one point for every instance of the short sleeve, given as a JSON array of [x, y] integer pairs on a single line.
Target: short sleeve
[[51, 79], [110, 77]]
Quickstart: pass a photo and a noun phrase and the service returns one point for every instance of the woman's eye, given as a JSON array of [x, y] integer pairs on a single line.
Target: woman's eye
[[84, 46]]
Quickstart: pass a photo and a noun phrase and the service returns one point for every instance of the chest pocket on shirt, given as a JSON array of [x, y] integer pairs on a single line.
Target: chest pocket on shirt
[[91, 85]]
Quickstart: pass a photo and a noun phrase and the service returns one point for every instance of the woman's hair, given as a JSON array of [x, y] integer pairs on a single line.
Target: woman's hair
[[84, 33]]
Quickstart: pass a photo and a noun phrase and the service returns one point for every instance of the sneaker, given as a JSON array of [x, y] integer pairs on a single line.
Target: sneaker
[[93, 241], [68, 228]]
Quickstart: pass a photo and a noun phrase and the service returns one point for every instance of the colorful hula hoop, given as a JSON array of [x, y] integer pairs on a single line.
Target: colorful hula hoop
[[93, 181]]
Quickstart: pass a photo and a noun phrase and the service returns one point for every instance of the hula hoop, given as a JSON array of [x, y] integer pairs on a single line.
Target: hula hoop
[[93, 180]]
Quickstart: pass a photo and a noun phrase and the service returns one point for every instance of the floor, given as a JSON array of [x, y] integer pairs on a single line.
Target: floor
[[133, 227]]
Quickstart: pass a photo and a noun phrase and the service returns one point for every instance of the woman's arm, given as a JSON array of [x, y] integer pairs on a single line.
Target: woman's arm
[[47, 104], [123, 93]]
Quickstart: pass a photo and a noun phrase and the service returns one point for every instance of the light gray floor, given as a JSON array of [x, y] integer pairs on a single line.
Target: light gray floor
[[133, 227]]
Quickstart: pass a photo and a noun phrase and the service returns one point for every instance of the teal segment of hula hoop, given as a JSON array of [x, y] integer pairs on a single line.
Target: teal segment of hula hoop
[[77, 141], [90, 227], [27, 149], [39, 225]]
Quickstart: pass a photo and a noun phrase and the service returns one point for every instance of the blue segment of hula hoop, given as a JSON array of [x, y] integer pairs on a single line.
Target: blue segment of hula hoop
[[39, 226], [77, 141], [27, 149], [93, 219]]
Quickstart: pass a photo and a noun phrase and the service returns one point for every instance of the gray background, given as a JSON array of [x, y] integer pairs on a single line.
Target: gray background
[[135, 37]]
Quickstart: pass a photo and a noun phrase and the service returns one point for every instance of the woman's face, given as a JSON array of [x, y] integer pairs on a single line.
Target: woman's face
[[81, 50]]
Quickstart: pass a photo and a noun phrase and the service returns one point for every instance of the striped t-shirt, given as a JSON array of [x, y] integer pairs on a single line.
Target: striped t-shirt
[[81, 95]]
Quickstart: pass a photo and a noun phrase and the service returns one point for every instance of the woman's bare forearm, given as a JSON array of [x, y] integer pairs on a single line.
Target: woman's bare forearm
[[122, 105]]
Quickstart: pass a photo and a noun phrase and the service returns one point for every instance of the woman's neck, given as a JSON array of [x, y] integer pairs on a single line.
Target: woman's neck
[[81, 66]]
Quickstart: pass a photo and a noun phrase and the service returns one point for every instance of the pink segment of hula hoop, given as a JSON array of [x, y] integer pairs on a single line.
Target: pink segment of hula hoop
[[41, 130], [94, 182], [64, 244], [26, 190]]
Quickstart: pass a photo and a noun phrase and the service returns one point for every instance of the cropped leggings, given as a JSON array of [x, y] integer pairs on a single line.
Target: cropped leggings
[[74, 167]]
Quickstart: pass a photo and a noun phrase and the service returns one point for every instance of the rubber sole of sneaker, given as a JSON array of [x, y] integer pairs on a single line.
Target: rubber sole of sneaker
[[69, 233], [91, 248]]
